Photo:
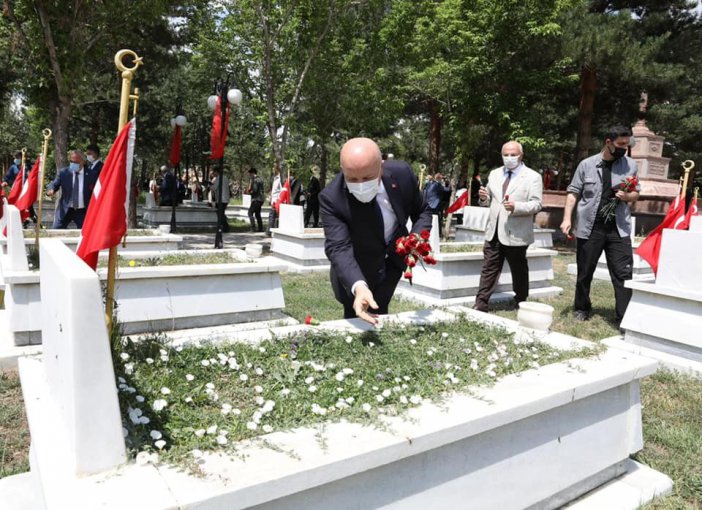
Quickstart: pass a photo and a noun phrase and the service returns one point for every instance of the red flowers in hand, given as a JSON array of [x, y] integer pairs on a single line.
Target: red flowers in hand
[[311, 321], [414, 248]]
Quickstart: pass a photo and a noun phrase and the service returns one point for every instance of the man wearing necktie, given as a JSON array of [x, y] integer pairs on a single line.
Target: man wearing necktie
[[513, 193], [364, 210], [76, 183]]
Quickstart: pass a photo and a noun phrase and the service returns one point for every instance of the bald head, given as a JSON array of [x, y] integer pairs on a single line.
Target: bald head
[[512, 148], [360, 160]]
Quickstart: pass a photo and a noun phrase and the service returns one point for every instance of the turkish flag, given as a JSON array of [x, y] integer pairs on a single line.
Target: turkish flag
[[28, 195], [16, 189], [175, 147], [458, 204], [284, 197], [684, 222], [106, 220], [218, 137], [650, 248]]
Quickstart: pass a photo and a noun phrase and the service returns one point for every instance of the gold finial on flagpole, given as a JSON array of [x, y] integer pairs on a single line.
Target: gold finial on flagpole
[[422, 169], [24, 160], [126, 95], [40, 191], [135, 97], [687, 166]]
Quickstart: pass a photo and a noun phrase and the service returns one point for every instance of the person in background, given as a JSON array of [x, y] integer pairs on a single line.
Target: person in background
[[295, 189], [92, 154], [13, 171], [256, 191], [594, 184], [364, 211], [435, 195], [514, 193], [312, 195], [475, 185], [275, 195], [461, 190], [76, 183], [224, 202], [167, 189]]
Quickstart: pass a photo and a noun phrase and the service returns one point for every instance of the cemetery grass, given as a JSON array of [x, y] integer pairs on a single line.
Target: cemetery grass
[[175, 259], [14, 431]]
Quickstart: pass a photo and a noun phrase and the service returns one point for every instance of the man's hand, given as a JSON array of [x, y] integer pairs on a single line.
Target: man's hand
[[624, 196], [565, 227], [362, 301], [4, 184], [50, 192], [483, 193], [509, 206]]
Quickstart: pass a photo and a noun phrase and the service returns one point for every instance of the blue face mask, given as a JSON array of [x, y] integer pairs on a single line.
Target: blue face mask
[[18, 161], [74, 167]]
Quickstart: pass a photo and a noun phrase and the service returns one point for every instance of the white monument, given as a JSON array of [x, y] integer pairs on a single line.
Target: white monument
[[300, 249]]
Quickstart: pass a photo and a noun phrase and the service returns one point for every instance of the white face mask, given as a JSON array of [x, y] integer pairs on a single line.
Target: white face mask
[[511, 162], [364, 191], [91, 158]]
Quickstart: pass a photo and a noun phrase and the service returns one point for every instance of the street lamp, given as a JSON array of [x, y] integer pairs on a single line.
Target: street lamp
[[220, 103], [177, 124]]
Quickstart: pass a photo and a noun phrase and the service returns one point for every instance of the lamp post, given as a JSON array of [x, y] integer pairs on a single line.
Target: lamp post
[[177, 124], [220, 103]]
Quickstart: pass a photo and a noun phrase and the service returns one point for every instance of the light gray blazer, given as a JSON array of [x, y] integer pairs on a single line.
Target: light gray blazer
[[514, 228]]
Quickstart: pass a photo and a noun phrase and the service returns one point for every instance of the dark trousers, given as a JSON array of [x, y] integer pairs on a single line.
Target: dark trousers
[[255, 211], [494, 255], [222, 217], [620, 260], [439, 213], [382, 291], [272, 216], [312, 210], [75, 215]]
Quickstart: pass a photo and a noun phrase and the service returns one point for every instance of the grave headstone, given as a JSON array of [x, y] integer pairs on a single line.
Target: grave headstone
[[434, 238], [291, 219], [696, 224], [476, 217], [16, 252], [246, 200]]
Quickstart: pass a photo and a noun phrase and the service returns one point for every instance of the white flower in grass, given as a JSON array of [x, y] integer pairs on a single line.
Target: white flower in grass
[[267, 429], [317, 367], [159, 404], [251, 425], [164, 358], [209, 386], [491, 373], [222, 356], [375, 388], [309, 380], [341, 404], [165, 391], [416, 399], [444, 335], [403, 400], [259, 400], [212, 429], [413, 341], [196, 453], [189, 377], [121, 380], [371, 344], [317, 409], [387, 393], [160, 444], [139, 398], [233, 365], [142, 458], [259, 371], [340, 376], [350, 400], [366, 407], [398, 380], [222, 440], [226, 409], [268, 406], [243, 377], [128, 368], [236, 412], [347, 371], [359, 383], [189, 400], [379, 398], [430, 352], [179, 348], [258, 389], [474, 364], [205, 363], [249, 365], [257, 416], [124, 356], [339, 390], [200, 432], [404, 386], [396, 389], [295, 365], [130, 389], [535, 364], [149, 360], [348, 339], [134, 414], [285, 392], [262, 350], [312, 388], [144, 420]]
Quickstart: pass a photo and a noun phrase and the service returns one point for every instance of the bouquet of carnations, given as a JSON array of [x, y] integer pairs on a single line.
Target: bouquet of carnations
[[609, 210], [414, 248]]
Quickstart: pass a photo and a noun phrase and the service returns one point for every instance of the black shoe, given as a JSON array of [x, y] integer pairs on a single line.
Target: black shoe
[[582, 315]]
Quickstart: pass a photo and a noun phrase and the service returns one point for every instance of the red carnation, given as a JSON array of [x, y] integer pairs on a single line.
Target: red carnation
[[311, 321], [408, 274], [410, 261], [424, 234], [429, 259]]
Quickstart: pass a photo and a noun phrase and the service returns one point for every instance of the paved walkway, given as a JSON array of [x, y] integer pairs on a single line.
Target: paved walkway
[[231, 240]]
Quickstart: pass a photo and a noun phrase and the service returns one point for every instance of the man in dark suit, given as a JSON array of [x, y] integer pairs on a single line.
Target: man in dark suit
[[168, 189], [295, 189], [76, 183], [364, 210], [92, 154]]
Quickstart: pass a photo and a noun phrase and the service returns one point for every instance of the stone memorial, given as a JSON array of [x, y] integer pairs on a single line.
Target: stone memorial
[[475, 222], [300, 249]]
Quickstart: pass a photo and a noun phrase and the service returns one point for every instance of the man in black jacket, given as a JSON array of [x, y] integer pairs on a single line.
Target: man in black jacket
[[364, 210], [312, 195]]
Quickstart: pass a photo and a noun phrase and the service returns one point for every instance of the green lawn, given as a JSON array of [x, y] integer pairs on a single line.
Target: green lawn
[[672, 404]]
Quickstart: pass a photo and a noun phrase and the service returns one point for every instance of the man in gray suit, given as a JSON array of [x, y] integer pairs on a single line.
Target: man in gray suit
[[513, 193]]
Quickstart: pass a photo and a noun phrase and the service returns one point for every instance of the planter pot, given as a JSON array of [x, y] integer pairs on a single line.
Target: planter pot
[[538, 316]]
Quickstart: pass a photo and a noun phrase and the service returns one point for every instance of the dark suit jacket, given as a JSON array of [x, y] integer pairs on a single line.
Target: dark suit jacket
[[168, 189], [354, 241], [96, 167], [64, 180], [295, 191]]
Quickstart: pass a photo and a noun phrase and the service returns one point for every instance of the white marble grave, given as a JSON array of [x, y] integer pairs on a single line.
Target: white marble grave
[[666, 315], [538, 439], [475, 222], [190, 214], [300, 249]]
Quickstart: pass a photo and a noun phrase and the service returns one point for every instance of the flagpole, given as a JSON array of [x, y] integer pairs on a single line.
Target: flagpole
[[687, 166], [40, 191], [127, 75]]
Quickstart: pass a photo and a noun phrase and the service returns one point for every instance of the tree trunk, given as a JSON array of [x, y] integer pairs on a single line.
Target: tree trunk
[[434, 138], [588, 88], [60, 115]]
